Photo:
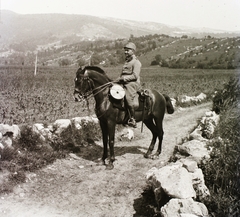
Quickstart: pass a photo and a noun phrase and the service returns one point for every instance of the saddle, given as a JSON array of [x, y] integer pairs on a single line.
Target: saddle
[[142, 100]]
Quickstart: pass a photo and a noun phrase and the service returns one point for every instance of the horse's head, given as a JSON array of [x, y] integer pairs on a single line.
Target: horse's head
[[83, 84], [90, 79]]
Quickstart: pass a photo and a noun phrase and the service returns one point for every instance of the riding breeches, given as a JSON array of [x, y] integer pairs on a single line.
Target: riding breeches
[[131, 91]]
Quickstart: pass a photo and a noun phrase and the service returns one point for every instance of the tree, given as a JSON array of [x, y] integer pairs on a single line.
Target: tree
[[158, 58], [96, 59], [64, 62], [81, 62]]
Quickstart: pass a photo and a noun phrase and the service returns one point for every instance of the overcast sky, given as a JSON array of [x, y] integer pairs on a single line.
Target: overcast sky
[[214, 14]]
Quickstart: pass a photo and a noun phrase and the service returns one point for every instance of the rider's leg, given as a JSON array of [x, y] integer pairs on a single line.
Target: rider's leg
[[130, 107], [132, 121]]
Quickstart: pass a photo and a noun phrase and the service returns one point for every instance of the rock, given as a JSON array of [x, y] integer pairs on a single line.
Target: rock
[[197, 134], [2, 147], [36, 128], [199, 185], [74, 156], [78, 121], [4, 128], [194, 148], [209, 122], [201, 96], [127, 134], [174, 102], [44, 133], [181, 207], [173, 179], [188, 215], [189, 164], [186, 99], [202, 192], [6, 141], [60, 125]]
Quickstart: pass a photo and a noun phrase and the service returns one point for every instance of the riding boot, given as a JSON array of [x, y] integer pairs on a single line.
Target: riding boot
[[132, 121]]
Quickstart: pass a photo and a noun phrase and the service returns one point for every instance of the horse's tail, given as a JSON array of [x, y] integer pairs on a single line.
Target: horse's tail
[[169, 104]]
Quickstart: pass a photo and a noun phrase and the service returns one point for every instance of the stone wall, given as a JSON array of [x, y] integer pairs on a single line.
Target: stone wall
[[179, 187], [9, 133]]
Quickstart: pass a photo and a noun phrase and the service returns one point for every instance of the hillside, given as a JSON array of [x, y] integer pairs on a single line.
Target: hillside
[[73, 40], [153, 50], [32, 30]]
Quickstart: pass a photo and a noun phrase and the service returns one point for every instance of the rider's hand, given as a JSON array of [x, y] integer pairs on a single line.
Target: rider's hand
[[120, 80]]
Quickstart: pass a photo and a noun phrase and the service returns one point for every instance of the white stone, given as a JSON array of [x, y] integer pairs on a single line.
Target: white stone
[[60, 125], [197, 134], [189, 164], [127, 133], [173, 179], [4, 128], [199, 184], [177, 207], [6, 141], [188, 215], [194, 148], [2, 147], [79, 121], [37, 128]]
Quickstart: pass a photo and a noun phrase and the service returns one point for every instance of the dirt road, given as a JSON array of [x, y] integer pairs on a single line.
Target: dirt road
[[77, 186]]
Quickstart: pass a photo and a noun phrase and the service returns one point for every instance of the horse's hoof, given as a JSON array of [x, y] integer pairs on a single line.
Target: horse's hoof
[[100, 162], [146, 155], [109, 167], [154, 157]]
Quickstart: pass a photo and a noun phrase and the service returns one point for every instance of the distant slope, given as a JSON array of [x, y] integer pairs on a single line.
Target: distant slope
[[41, 29]]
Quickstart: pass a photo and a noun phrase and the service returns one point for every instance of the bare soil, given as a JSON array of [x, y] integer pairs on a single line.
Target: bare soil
[[78, 186]]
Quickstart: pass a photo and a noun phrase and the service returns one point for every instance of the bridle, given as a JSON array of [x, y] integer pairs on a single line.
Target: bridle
[[85, 95]]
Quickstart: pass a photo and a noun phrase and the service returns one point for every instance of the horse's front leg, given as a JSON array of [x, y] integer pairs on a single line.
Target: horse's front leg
[[152, 127], [111, 133], [104, 129]]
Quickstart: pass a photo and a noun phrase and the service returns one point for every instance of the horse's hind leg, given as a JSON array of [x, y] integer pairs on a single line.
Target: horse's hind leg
[[152, 127], [160, 135]]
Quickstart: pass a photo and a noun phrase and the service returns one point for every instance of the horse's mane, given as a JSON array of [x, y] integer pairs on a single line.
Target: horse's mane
[[97, 69]]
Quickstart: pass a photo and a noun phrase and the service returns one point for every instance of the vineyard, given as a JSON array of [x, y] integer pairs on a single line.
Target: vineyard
[[26, 99], [48, 96]]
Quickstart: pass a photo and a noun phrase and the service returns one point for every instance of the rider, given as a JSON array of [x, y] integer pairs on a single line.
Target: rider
[[130, 77]]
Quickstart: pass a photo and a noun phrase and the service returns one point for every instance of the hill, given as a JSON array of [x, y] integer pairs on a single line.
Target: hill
[[152, 50], [42, 29], [73, 40]]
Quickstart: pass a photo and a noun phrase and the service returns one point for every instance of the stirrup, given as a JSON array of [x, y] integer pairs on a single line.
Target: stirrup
[[132, 122]]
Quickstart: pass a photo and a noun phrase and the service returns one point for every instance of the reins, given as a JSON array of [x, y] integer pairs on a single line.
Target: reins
[[101, 88], [93, 91]]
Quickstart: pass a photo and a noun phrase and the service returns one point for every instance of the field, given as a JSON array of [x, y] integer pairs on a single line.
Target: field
[[48, 96], [41, 179]]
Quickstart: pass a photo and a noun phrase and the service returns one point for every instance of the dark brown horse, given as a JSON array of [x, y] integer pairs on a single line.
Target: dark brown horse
[[93, 80]]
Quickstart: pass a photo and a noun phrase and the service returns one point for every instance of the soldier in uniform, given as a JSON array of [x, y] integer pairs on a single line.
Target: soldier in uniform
[[130, 78]]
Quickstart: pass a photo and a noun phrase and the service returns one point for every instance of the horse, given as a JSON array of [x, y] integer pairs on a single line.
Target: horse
[[92, 80]]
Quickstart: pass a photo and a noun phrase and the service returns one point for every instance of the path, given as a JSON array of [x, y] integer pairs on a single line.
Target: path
[[77, 187]]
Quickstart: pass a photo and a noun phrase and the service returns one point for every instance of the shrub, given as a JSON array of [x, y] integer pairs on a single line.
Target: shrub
[[30, 153], [222, 169]]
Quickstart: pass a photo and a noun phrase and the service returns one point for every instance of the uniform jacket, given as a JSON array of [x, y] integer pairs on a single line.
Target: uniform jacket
[[131, 76], [131, 70]]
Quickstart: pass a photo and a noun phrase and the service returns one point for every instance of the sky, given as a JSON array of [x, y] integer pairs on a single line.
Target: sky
[[213, 14]]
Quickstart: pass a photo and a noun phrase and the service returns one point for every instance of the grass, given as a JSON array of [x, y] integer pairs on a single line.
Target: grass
[[30, 153], [222, 169], [49, 95], [26, 99]]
